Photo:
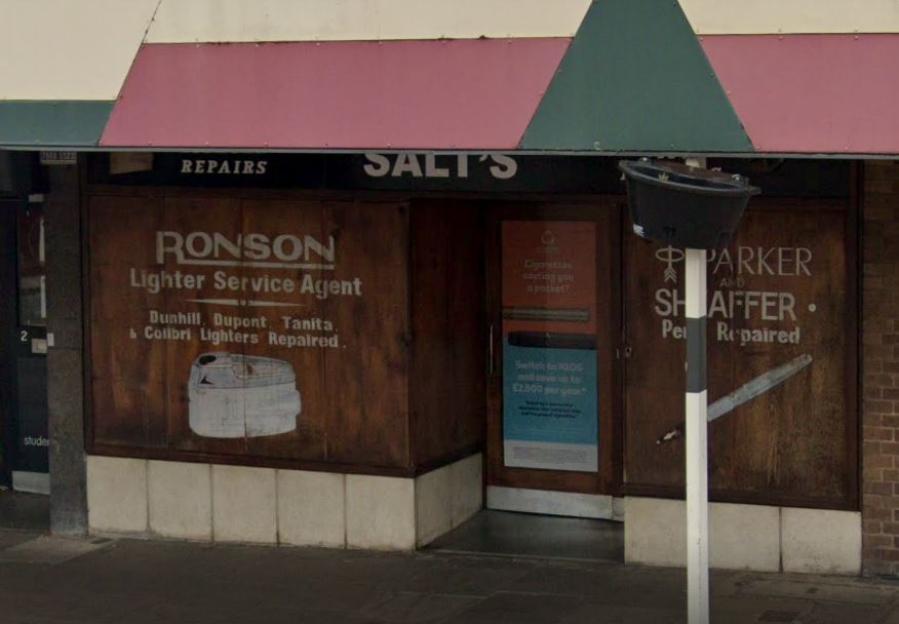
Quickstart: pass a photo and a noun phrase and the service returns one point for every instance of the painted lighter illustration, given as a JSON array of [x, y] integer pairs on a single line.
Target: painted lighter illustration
[[234, 396]]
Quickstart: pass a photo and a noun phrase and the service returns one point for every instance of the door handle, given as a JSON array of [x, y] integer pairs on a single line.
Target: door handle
[[490, 351]]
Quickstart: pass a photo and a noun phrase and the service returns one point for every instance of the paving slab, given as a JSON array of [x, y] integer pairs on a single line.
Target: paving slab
[[469, 576], [19, 510], [832, 613], [519, 608], [54, 581], [828, 589], [50, 550], [613, 614], [411, 607], [12, 537], [740, 609]]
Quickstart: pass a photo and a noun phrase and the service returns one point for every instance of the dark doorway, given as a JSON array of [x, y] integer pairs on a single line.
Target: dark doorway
[[23, 347], [8, 317], [513, 534]]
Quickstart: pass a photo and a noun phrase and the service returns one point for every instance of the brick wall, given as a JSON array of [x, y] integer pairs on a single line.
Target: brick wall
[[880, 367]]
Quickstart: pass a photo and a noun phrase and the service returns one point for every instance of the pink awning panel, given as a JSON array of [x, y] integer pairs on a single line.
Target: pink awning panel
[[812, 93], [465, 94]]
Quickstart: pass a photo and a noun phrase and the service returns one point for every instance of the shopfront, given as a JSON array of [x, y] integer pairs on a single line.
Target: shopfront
[[364, 350], [309, 317]]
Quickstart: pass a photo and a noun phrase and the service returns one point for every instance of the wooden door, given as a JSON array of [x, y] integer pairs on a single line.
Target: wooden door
[[554, 312]]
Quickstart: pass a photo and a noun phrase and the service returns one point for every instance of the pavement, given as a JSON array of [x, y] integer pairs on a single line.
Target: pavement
[[54, 580], [24, 511]]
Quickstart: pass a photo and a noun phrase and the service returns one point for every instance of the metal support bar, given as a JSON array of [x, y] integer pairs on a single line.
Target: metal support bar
[[696, 440]]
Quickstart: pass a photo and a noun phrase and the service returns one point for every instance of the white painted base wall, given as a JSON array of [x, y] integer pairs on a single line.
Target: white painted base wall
[[210, 502], [31, 482], [746, 537]]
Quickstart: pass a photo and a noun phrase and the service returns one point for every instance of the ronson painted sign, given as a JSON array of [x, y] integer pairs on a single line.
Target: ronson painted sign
[[247, 328]]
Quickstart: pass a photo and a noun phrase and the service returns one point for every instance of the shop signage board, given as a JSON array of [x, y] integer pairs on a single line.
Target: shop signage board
[[393, 171], [249, 328], [780, 359], [550, 390], [59, 158], [456, 172]]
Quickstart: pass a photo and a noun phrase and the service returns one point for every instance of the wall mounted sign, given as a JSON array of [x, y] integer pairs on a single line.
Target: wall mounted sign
[[396, 171], [481, 172], [550, 398], [248, 328], [781, 359], [59, 158]]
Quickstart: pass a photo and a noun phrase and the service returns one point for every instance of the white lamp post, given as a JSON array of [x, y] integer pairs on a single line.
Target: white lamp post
[[697, 209]]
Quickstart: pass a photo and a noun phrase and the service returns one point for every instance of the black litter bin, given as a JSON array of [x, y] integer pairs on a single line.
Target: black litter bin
[[684, 206]]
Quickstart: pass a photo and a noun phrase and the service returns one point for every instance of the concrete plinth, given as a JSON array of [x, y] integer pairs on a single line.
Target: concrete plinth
[[206, 502]]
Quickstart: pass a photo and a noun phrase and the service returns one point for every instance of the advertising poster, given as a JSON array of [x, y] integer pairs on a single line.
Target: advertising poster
[[550, 394]]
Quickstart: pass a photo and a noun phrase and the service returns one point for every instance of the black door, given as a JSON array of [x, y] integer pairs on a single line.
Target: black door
[[23, 347], [30, 465], [8, 323]]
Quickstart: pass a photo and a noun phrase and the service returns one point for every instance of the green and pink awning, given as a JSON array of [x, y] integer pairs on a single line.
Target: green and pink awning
[[456, 94], [607, 77]]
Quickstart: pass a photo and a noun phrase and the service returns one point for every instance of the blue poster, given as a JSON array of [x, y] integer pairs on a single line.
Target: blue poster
[[550, 401], [550, 390]]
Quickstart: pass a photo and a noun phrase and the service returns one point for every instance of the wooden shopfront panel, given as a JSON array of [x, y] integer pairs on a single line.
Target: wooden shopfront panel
[[319, 287], [781, 318], [447, 373]]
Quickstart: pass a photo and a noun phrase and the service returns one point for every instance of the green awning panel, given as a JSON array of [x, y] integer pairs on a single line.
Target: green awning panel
[[52, 123], [636, 79]]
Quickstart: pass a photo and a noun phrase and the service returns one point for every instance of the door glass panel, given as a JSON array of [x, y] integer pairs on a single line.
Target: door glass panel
[[549, 342], [32, 279]]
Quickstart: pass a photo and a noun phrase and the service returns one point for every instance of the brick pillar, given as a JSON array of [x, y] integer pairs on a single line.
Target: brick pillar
[[880, 367]]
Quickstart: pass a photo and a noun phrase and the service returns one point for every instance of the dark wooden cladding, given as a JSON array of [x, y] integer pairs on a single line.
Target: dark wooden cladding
[[448, 348], [406, 390], [128, 386], [354, 396], [792, 444], [368, 387]]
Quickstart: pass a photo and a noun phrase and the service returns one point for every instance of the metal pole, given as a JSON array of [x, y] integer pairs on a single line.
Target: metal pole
[[696, 440]]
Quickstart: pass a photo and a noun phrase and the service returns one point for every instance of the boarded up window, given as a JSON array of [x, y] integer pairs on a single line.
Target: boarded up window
[[249, 329], [782, 361]]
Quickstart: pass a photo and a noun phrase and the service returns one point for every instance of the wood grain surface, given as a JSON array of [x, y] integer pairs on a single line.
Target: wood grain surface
[[793, 443], [354, 395], [449, 338]]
